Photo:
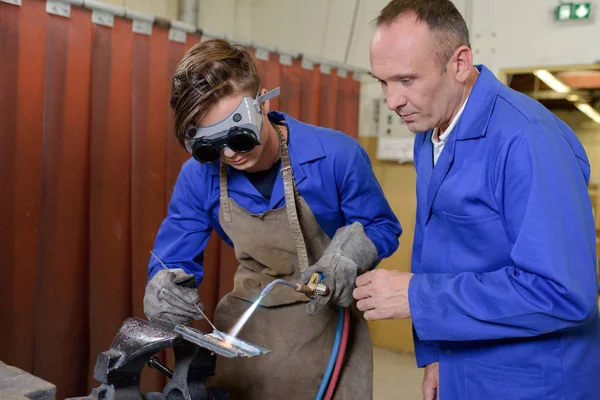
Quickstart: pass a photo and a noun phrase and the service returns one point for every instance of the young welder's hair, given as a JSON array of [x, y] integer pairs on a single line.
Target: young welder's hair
[[441, 16], [209, 71]]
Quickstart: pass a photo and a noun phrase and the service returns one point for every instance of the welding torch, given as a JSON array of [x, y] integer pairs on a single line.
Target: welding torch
[[312, 289]]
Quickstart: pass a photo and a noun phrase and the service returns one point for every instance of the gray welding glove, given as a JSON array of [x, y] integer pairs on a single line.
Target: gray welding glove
[[350, 254], [171, 295]]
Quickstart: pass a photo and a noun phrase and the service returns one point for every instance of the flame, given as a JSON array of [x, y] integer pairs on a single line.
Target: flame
[[223, 342], [244, 318]]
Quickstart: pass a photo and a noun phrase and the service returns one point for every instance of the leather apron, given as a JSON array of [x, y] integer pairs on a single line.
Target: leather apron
[[280, 244]]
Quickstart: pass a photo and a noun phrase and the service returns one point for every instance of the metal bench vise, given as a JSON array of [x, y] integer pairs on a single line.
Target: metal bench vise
[[119, 369]]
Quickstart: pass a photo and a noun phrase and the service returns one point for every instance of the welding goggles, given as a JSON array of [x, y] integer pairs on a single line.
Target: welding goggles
[[240, 131]]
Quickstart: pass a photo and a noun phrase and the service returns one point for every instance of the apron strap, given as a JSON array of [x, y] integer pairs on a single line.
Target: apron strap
[[224, 194], [292, 199]]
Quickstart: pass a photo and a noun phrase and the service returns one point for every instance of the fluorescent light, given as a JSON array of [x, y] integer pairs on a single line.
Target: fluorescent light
[[589, 111], [551, 81], [560, 87]]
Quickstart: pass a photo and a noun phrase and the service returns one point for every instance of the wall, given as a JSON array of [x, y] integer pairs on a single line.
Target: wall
[[538, 38], [159, 8], [589, 133], [317, 28], [323, 28], [232, 17]]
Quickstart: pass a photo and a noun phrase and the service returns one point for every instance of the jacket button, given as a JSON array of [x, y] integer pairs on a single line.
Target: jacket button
[[448, 352]]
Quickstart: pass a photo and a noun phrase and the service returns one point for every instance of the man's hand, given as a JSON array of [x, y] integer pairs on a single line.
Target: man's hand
[[383, 294], [431, 382]]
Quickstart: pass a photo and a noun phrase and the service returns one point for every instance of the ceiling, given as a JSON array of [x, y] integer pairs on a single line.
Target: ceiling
[[584, 83]]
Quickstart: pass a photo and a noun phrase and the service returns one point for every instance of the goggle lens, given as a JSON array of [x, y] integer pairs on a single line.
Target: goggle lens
[[240, 141], [205, 153]]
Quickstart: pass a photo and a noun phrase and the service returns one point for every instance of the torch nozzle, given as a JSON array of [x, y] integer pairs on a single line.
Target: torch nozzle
[[312, 289], [271, 285]]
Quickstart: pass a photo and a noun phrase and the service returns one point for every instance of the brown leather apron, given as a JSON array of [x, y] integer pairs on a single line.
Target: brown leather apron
[[269, 247]]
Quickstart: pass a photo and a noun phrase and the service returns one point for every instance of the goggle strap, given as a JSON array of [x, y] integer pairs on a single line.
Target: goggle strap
[[267, 96]]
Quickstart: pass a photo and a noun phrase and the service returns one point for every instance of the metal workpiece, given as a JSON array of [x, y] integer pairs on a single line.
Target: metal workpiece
[[229, 347], [119, 369]]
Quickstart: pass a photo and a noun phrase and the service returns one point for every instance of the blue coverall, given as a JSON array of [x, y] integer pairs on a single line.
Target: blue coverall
[[505, 289], [332, 172]]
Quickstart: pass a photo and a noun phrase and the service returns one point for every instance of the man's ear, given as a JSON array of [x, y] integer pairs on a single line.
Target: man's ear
[[463, 62]]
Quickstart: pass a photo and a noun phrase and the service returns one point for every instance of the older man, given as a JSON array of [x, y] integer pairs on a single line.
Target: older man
[[503, 288]]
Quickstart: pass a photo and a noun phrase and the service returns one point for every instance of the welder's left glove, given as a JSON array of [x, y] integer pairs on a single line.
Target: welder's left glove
[[171, 295], [350, 254]]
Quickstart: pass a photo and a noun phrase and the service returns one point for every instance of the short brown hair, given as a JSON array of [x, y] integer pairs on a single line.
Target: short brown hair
[[209, 71], [441, 16]]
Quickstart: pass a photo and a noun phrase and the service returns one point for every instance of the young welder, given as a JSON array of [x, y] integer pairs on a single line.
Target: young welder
[[292, 199]]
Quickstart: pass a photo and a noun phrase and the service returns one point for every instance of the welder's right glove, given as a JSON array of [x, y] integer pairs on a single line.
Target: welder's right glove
[[350, 253], [171, 295]]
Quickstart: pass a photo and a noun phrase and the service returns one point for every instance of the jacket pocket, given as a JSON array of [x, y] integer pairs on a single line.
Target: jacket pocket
[[494, 382], [478, 243]]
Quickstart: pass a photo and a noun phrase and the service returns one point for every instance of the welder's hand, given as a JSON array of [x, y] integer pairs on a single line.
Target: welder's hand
[[171, 295], [338, 274], [350, 253]]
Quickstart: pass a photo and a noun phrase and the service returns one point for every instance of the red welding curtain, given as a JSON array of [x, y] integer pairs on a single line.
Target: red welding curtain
[[88, 161]]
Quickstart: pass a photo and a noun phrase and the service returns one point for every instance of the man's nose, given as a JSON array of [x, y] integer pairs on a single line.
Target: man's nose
[[395, 99]]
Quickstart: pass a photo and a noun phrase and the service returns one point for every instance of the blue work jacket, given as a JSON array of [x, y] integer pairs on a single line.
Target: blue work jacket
[[333, 174], [505, 289]]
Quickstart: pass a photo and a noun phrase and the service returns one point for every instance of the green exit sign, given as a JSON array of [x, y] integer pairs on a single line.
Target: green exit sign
[[568, 11]]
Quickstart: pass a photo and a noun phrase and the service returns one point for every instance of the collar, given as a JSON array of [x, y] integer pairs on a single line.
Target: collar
[[444, 136], [479, 106]]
